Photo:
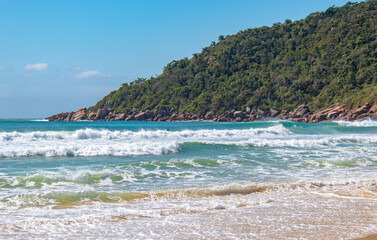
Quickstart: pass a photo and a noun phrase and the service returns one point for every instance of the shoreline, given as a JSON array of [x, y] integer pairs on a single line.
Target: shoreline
[[372, 236], [217, 180], [335, 112]]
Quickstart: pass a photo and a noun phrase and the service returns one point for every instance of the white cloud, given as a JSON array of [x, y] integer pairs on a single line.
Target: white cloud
[[2, 68], [92, 74], [36, 67]]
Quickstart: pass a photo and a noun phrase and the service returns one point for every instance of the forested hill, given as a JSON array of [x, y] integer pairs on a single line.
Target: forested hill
[[326, 58]]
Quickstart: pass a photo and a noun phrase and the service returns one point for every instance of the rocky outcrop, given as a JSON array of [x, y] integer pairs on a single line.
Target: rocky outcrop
[[209, 115], [101, 114], [330, 113], [239, 114], [79, 115], [274, 113], [300, 114], [64, 116]]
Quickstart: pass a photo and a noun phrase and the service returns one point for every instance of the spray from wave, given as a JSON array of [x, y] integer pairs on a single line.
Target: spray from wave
[[93, 142], [364, 123]]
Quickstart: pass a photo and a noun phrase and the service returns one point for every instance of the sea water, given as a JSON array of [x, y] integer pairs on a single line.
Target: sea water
[[187, 180]]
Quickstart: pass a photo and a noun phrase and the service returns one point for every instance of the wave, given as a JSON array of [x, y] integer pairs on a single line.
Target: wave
[[39, 120], [94, 149], [94, 142], [365, 189], [103, 142], [89, 133], [365, 123], [310, 142]]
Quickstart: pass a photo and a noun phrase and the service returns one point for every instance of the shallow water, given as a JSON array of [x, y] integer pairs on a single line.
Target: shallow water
[[271, 180]]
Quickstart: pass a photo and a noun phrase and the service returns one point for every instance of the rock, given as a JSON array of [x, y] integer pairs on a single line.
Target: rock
[[92, 116], [64, 116], [163, 119], [195, 117], [222, 119], [181, 117], [301, 111], [274, 113], [172, 117], [318, 117], [79, 115], [334, 114], [263, 113], [141, 116], [130, 118], [330, 113], [298, 119], [101, 114], [300, 114], [284, 114], [239, 114], [362, 116], [363, 109], [209, 116], [373, 109], [69, 117], [121, 116]]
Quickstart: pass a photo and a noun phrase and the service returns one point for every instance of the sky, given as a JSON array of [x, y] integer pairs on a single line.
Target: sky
[[58, 56]]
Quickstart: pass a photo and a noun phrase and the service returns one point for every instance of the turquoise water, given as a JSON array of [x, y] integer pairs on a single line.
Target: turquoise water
[[49, 171]]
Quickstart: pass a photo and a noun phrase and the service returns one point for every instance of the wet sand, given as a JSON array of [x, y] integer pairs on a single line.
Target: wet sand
[[368, 237]]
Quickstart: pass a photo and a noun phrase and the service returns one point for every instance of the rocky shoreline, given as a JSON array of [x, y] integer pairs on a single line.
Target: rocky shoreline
[[300, 114]]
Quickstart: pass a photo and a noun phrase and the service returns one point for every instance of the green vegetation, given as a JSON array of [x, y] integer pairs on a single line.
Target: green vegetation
[[327, 57]]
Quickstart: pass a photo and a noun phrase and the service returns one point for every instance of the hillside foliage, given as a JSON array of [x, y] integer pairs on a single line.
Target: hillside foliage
[[326, 58]]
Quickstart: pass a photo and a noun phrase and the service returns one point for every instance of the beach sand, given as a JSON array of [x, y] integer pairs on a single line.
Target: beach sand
[[369, 237]]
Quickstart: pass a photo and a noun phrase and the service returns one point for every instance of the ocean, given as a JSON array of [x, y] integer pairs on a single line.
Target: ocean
[[187, 180]]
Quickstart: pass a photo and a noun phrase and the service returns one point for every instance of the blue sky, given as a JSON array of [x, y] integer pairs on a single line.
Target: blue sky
[[60, 55]]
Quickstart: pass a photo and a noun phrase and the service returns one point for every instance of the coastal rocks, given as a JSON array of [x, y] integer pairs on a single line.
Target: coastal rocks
[[79, 115], [301, 114], [69, 116], [302, 111], [64, 116], [209, 116], [141, 116], [274, 113], [362, 109], [239, 114], [284, 114], [101, 114], [330, 113], [121, 117]]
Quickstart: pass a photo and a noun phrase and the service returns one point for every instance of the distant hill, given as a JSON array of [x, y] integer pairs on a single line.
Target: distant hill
[[328, 57]]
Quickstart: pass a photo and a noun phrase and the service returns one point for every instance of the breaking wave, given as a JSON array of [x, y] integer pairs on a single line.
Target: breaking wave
[[364, 123], [69, 198], [94, 142], [104, 142]]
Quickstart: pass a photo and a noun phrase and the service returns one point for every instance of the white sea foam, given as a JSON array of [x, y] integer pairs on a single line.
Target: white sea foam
[[89, 133], [295, 209], [88, 149], [364, 123], [102, 142], [94, 142], [39, 120], [309, 142]]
